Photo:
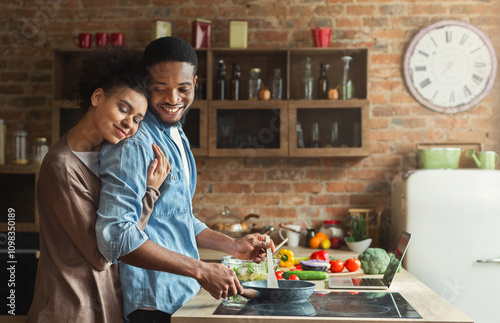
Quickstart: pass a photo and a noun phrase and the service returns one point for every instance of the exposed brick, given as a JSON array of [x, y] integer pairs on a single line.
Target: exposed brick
[[349, 22], [324, 175], [14, 76], [11, 89], [232, 188], [307, 187], [324, 199], [271, 187], [252, 199], [360, 9], [341, 187], [293, 199], [276, 187]]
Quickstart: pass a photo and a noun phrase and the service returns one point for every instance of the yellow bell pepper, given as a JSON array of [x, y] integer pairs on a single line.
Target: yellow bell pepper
[[286, 258]]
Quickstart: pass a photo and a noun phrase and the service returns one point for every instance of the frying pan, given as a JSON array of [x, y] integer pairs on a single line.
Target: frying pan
[[289, 291]]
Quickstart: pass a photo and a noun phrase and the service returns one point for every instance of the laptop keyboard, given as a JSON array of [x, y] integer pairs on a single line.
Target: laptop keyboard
[[367, 282]]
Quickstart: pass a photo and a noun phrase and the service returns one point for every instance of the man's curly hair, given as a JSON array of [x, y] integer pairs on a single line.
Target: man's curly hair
[[169, 49]]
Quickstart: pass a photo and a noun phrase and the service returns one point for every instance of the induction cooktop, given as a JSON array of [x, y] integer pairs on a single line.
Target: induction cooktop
[[332, 304]]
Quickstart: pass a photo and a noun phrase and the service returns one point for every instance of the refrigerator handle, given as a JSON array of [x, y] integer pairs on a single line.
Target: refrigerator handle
[[493, 260]]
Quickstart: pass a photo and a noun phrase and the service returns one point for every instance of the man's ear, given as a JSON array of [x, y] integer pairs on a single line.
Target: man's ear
[[195, 80], [97, 97]]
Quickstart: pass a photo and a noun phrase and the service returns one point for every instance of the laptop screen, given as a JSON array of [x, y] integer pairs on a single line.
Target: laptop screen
[[395, 261]]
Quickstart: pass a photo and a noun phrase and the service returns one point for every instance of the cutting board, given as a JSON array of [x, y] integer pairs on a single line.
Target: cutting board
[[345, 273]]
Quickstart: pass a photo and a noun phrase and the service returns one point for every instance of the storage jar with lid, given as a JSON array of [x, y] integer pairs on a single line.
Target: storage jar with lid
[[20, 146], [254, 84], [332, 228], [41, 149]]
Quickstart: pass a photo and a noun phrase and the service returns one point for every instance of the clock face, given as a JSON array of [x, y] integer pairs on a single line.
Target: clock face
[[450, 66]]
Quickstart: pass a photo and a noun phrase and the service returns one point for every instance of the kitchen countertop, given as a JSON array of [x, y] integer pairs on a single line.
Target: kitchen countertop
[[427, 303]]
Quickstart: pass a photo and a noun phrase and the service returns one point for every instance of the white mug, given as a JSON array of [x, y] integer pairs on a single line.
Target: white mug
[[293, 237]]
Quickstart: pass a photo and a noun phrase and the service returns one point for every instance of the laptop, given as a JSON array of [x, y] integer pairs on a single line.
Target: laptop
[[376, 283]]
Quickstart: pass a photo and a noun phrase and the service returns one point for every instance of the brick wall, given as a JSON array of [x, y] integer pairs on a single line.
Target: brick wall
[[278, 189]]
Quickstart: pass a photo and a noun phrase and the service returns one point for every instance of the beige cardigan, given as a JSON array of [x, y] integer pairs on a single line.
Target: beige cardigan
[[74, 281]]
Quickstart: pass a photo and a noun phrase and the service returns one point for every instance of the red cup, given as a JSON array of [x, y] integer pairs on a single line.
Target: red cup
[[117, 39], [321, 36], [101, 39], [83, 40]]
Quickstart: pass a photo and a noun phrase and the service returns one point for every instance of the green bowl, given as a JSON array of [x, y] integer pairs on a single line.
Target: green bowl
[[437, 158]]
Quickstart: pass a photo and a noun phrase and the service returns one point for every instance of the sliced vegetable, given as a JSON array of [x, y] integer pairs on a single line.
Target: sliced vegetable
[[315, 265], [286, 258], [307, 275], [321, 255]]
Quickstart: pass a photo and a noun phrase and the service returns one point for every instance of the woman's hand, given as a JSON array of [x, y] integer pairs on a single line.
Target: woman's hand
[[159, 168]]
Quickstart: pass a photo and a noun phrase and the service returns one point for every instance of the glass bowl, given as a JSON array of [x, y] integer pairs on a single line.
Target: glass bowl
[[246, 270]]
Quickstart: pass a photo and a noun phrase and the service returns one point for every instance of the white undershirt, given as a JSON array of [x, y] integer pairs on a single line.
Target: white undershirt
[[90, 159], [176, 136]]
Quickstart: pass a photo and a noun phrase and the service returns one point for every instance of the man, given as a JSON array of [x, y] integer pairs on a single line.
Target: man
[[166, 250]]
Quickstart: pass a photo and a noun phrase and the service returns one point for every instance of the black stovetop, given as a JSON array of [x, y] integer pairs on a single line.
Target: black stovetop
[[332, 304]]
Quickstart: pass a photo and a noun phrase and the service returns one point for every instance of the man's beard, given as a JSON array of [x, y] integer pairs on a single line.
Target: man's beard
[[170, 124]]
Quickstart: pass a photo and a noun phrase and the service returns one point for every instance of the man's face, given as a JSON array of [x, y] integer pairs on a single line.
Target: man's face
[[171, 90]]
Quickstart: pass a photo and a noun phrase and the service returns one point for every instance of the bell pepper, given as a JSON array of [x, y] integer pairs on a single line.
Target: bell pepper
[[286, 258], [321, 255]]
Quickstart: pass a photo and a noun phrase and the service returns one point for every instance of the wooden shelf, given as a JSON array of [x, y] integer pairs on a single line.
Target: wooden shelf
[[353, 127], [18, 191], [202, 122], [257, 128]]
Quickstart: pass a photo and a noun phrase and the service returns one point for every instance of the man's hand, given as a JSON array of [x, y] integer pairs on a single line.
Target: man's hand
[[252, 247], [219, 280]]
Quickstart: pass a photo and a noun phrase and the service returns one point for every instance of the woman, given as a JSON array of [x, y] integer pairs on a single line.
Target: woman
[[74, 282]]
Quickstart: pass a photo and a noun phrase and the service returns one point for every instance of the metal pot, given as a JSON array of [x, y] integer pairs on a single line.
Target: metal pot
[[231, 224]]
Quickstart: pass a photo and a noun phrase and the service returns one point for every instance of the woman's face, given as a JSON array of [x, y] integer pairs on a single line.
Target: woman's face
[[118, 114]]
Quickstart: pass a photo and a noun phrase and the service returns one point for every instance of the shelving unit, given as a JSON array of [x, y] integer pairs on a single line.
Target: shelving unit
[[18, 191], [257, 128]]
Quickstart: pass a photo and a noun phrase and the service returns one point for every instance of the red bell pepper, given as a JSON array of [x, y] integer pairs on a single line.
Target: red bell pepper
[[321, 255]]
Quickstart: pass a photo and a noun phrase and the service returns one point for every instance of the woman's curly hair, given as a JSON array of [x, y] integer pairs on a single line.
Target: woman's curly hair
[[109, 69]]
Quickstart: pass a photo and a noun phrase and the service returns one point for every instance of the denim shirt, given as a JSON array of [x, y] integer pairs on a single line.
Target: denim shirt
[[172, 224]]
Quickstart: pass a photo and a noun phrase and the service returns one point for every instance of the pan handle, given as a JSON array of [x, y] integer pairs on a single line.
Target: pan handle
[[250, 293]]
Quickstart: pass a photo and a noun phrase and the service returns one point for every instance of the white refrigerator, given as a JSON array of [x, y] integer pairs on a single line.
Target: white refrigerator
[[454, 216]]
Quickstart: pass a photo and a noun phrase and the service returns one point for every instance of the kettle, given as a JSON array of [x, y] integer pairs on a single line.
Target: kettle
[[484, 159]]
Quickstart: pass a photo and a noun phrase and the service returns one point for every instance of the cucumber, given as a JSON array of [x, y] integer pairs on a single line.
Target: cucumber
[[306, 274]]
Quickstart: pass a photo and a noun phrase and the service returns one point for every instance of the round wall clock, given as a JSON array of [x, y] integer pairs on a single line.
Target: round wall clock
[[450, 66]]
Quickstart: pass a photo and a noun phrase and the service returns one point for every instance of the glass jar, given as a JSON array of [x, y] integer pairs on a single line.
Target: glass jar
[[254, 84], [332, 228], [276, 85], [246, 270], [20, 146], [41, 149], [347, 88], [308, 81]]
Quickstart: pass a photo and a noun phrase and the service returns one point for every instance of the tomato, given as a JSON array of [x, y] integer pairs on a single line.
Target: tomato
[[298, 267], [279, 275], [293, 277], [321, 255], [352, 264], [336, 266]]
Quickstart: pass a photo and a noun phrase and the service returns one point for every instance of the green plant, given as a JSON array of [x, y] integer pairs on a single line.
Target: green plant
[[358, 229]]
